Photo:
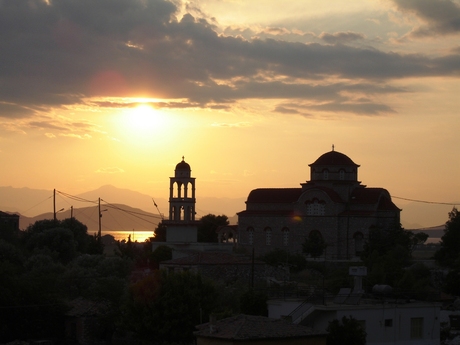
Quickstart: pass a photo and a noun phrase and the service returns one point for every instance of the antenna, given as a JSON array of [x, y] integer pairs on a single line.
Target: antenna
[[161, 214]]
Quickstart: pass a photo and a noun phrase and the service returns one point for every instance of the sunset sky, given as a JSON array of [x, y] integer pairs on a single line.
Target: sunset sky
[[250, 92]]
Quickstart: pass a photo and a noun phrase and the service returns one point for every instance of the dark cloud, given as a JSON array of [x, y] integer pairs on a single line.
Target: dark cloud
[[441, 17], [71, 50], [341, 37], [285, 110], [14, 111]]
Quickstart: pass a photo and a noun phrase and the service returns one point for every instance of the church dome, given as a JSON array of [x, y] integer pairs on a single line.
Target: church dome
[[183, 165], [334, 158]]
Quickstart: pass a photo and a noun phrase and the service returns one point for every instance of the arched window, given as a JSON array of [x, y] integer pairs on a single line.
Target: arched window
[[268, 236], [315, 245], [250, 235], [358, 238], [285, 232], [315, 207]]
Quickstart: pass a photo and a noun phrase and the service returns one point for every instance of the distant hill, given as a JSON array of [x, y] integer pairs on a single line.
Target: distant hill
[[114, 217], [416, 215], [31, 203]]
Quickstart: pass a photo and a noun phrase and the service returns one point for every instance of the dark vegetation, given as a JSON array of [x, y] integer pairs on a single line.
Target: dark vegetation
[[52, 263]]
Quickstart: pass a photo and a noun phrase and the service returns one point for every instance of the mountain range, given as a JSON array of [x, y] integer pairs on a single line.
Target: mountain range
[[127, 209]]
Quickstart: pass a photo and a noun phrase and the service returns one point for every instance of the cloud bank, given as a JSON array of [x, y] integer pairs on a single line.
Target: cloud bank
[[66, 52]]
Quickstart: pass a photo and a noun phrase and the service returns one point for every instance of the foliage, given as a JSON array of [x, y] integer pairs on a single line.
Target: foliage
[[161, 253], [388, 252], [414, 283], [59, 243], [254, 303], [279, 257], [314, 245], [159, 305], [84, 243], [160, 233], [347, 332], [448, 254], [208, 226]]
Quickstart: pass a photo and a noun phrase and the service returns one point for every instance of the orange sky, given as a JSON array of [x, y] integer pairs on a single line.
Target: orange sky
[[250, 92]]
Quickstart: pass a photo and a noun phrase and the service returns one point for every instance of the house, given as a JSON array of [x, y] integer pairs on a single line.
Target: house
[[9, 220], [261, 330], [386, 321], [332, 205]]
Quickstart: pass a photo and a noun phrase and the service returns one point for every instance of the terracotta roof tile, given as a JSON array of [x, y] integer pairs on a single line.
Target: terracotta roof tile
[[274, 195]]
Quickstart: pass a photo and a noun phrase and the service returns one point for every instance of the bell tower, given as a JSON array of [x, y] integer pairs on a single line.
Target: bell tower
[[182, 194], [181, 227]]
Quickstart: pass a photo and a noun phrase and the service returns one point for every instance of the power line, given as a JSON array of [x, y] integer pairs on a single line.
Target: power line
[[425, 202]]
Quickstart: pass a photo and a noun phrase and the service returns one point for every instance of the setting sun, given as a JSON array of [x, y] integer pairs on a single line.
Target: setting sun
[[144, 118]]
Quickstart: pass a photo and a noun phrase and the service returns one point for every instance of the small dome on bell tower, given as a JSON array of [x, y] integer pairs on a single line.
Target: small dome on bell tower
[[182, 169]]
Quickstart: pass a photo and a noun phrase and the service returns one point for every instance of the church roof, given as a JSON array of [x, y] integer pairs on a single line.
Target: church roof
[[274, 195], [334, 158], [378, 196], [183, 165], [243, 327]]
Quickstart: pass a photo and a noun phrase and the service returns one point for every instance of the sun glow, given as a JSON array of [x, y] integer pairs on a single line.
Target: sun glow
[[145, 118]]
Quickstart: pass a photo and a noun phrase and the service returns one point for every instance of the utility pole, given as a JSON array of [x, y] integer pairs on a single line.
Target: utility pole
[[100, 218], [54, 204]]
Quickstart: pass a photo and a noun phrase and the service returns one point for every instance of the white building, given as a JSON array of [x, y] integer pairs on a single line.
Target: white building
[[385, 322]]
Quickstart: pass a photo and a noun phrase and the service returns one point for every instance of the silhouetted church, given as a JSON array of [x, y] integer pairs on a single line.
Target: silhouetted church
[[333, 205]]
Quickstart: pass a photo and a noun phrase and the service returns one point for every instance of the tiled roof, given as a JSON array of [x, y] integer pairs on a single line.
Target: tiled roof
[[208, 258], [274, 195], [275, 213], [252, 327], [379, 196], [334, 158]]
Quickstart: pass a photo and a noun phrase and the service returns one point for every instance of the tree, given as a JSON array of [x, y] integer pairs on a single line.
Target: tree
[[161, 253], [159, 305], [347, 332], [160, 233], [448, 254], [314, 245], [59, 243], [208, 226], [84, 243], [387, 252]]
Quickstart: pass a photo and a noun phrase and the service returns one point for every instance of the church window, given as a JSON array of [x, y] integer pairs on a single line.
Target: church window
[[268, 236], [251, 235], [325, 174], [285, 236], [315, 207], [341, 175]]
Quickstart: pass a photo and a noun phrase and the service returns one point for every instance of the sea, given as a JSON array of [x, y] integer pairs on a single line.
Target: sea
[[136, 236]]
